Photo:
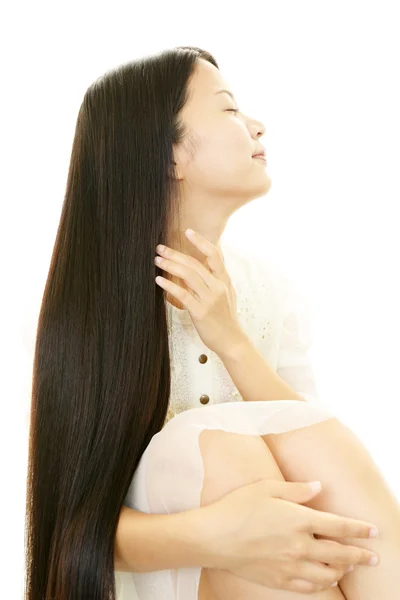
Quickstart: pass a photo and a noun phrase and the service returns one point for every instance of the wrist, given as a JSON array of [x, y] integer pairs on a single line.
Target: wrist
[[203, 531], [236, 349], [190, 532]]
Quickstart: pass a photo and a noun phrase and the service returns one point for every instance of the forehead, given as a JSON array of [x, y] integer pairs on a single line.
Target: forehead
[[207, 82]]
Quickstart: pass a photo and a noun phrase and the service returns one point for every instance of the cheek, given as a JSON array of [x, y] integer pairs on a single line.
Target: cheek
[[227, 148]]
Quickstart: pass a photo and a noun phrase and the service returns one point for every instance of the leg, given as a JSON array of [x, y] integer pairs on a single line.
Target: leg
[[230, 461], [352, 486]]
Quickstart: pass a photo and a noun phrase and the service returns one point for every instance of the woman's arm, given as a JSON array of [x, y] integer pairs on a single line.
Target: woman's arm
[[153, 542], [253, 376], [293, 379]]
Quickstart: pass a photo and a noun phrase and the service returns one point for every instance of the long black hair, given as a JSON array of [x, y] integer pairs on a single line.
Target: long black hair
[[101, 370]]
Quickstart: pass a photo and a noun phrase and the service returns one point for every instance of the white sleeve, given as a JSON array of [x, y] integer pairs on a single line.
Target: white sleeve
[[294, 365]]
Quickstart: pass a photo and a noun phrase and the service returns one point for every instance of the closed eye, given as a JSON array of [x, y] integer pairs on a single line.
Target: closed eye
[[235, 110]]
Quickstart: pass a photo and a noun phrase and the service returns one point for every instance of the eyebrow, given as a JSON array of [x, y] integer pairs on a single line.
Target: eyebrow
[[226, 92]]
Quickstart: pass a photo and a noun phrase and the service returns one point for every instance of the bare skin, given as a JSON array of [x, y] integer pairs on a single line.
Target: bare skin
[[224, 143], [352, 487], [217, 175]]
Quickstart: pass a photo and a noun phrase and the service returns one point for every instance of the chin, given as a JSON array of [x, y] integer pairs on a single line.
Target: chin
[[264, 185], [257, 192]]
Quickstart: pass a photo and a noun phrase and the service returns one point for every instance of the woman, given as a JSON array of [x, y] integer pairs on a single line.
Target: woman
[[110, 433]]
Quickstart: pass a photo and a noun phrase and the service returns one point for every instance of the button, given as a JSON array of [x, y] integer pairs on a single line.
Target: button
[[204, 399], [203, 358]]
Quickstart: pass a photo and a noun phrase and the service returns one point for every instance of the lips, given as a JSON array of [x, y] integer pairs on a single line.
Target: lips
[[260, 153]]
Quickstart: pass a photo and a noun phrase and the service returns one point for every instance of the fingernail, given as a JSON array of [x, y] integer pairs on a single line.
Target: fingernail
[[373, 560], [351, 568], [373, 532], [333, 584], [189, 232], [315, 486]]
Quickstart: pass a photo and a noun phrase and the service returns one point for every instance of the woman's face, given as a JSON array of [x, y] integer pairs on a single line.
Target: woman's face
[[216, 162]]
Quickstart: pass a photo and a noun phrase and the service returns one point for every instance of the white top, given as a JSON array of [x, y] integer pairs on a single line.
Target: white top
[[170, 473], [274, 314]]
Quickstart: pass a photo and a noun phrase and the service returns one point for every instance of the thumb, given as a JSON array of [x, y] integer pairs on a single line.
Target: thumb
[[295, 491]]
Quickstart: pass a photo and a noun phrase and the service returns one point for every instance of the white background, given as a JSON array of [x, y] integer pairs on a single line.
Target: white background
[[323, 78]]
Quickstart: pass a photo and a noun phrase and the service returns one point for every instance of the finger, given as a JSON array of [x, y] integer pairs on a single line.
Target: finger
[[184, 296], [329, 524], [301, 586], [318, 574], [344, 569], [188, 261], [193, 280], [331, 552], [214, 256]]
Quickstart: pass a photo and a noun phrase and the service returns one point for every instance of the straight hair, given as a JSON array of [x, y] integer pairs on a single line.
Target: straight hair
[[101, 368]]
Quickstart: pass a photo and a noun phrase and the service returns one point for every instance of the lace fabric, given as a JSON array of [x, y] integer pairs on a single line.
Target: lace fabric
[[170, 473], [270, 311]]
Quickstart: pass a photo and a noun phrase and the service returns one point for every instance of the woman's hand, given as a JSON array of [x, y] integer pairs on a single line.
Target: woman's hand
[[260, 532], [210, 298]]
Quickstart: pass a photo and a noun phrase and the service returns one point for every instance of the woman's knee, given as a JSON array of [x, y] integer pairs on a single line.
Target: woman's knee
[[231, 460]]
